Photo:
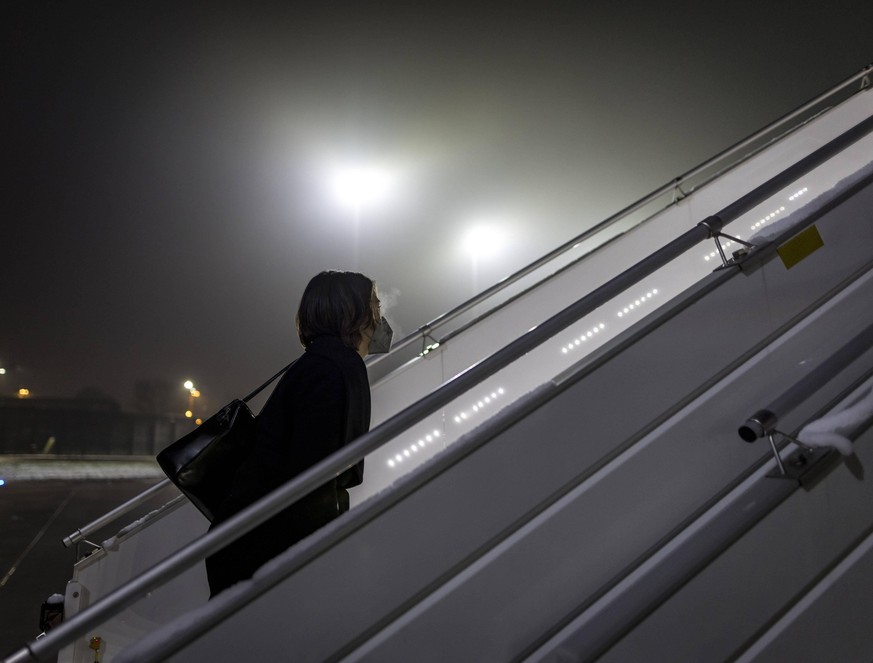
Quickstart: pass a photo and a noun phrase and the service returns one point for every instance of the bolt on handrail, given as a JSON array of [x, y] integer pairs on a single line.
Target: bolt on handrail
[[282, 497]]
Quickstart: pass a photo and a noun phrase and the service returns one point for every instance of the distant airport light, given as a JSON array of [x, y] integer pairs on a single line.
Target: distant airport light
[[360, 186], [2, 371], [483, 241], [193, 392], [23, 392]]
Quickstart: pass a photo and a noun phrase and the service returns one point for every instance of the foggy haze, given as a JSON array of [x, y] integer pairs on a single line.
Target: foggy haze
[[169, 171]]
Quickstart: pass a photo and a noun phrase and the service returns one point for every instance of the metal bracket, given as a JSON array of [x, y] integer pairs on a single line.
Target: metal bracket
[[717, 235], [678, 192], [782, 472], [776, 455], [807, 466], [79, 555]]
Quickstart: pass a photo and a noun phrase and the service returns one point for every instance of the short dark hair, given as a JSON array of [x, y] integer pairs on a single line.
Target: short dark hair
[[336, 303]]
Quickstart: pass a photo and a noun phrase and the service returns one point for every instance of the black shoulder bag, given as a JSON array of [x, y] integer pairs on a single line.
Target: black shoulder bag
[[203, 462]]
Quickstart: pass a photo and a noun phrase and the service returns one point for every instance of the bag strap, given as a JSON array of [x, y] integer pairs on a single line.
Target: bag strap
[[263, 386]]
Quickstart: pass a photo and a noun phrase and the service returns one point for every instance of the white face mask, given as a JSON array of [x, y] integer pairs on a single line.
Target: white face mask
[[380, 342]]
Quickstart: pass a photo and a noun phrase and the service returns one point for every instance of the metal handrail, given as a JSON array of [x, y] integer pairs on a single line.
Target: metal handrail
[[117, 512], [710, 531], [423, 332], [282, 497], [763, 422]]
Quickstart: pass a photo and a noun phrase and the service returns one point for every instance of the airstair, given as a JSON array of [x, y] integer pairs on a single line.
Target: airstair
[[603, 457]]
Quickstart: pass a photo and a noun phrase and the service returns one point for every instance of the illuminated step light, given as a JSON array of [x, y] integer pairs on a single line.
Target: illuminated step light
[[414, 448], [767, 219], [798, 194], [478, 406], [430, 348], [637, 303], [576, 342]]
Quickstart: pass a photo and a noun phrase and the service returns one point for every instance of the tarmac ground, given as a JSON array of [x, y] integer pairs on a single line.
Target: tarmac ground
[[41, 502]]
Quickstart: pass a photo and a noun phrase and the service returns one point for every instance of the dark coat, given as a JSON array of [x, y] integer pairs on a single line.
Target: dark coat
[[320, 404]]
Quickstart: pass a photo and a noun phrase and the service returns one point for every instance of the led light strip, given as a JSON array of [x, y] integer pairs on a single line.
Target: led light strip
[[772, 215], [576, 342], [767, 219], [430, 438], [479, 406], [637, 303], [797, 194], [413, 449], [430, 348]]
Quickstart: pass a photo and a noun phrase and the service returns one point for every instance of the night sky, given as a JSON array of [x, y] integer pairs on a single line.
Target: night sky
[[168, 166]]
